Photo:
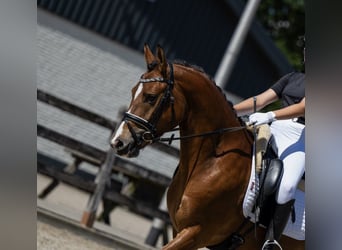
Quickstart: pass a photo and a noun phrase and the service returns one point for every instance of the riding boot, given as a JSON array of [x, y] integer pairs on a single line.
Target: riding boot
[[277, 225]]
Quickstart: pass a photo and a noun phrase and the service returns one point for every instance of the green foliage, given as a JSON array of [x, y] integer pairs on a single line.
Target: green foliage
[[285, 22]]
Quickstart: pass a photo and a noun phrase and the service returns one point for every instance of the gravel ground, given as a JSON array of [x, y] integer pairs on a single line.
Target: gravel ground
[[58, 227], [55, 236], [58, 224]]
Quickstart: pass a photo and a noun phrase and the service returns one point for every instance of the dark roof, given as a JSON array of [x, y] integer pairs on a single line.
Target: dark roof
[[195, 31], [90, 78]]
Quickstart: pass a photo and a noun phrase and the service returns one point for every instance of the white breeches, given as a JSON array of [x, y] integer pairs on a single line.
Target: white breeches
[[289, 137]]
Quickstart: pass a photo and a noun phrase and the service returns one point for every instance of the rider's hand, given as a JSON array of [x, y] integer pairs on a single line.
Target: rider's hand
[[261, 118]]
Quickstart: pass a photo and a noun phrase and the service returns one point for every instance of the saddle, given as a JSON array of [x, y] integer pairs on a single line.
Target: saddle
[[260, 201], [270, 171]]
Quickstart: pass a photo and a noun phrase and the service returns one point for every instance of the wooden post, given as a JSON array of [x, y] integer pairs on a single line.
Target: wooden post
[[102, 178], [49, 188]]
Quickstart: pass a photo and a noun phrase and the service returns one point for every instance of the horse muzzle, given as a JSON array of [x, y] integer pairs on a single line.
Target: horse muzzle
[[128, 141], [125, 148]]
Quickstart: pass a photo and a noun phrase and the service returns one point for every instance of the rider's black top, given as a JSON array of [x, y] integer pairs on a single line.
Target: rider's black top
[[291, 89]]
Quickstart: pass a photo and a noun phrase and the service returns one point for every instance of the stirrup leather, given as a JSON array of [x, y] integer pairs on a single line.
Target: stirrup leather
[[263, 137]]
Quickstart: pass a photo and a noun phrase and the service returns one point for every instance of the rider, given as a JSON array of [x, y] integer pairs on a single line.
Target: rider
[[287, 126]]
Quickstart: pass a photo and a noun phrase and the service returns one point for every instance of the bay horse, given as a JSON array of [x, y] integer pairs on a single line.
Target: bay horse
[[206, 193]]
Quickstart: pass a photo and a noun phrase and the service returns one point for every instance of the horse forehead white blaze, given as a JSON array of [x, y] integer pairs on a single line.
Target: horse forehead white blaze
[[118, 133], [139, 90]]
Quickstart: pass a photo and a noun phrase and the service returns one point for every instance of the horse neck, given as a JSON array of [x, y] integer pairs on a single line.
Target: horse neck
[[207, 110]]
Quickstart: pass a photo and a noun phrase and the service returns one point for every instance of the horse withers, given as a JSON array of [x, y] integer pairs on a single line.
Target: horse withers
[[207, 191]]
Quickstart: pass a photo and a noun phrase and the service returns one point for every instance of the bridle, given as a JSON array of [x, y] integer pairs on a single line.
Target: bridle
[[151, 125], [150, 135]]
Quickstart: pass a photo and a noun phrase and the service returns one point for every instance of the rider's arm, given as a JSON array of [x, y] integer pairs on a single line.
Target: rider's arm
[[246, 107], [292, 111]]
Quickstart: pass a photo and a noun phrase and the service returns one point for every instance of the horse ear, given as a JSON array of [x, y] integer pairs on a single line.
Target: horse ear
[[149, 57], [162, 60]]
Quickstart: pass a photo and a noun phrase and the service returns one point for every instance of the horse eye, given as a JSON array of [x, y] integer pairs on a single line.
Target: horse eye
[[151, 99]]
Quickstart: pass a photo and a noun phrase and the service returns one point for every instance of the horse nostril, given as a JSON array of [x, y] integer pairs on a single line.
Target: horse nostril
[[117, 144]]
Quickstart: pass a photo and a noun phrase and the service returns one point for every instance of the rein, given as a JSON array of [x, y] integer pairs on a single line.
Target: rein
[[219, 131]]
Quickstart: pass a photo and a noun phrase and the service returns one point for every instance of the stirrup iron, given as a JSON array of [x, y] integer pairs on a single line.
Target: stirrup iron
[[271, 242]]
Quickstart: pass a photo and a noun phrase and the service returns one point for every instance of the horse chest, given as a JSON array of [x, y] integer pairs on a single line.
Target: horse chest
[[190, 198]]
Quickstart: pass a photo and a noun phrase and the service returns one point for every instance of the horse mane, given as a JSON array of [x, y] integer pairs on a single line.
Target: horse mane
[[201, 70]]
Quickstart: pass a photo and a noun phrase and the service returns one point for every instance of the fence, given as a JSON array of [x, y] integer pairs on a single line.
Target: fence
[[102, 186]]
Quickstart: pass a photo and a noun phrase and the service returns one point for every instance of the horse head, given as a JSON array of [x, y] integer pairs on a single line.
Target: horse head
[[154, 109]]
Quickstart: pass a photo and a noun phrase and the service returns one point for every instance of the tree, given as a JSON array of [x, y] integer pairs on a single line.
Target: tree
[[285, 22]]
